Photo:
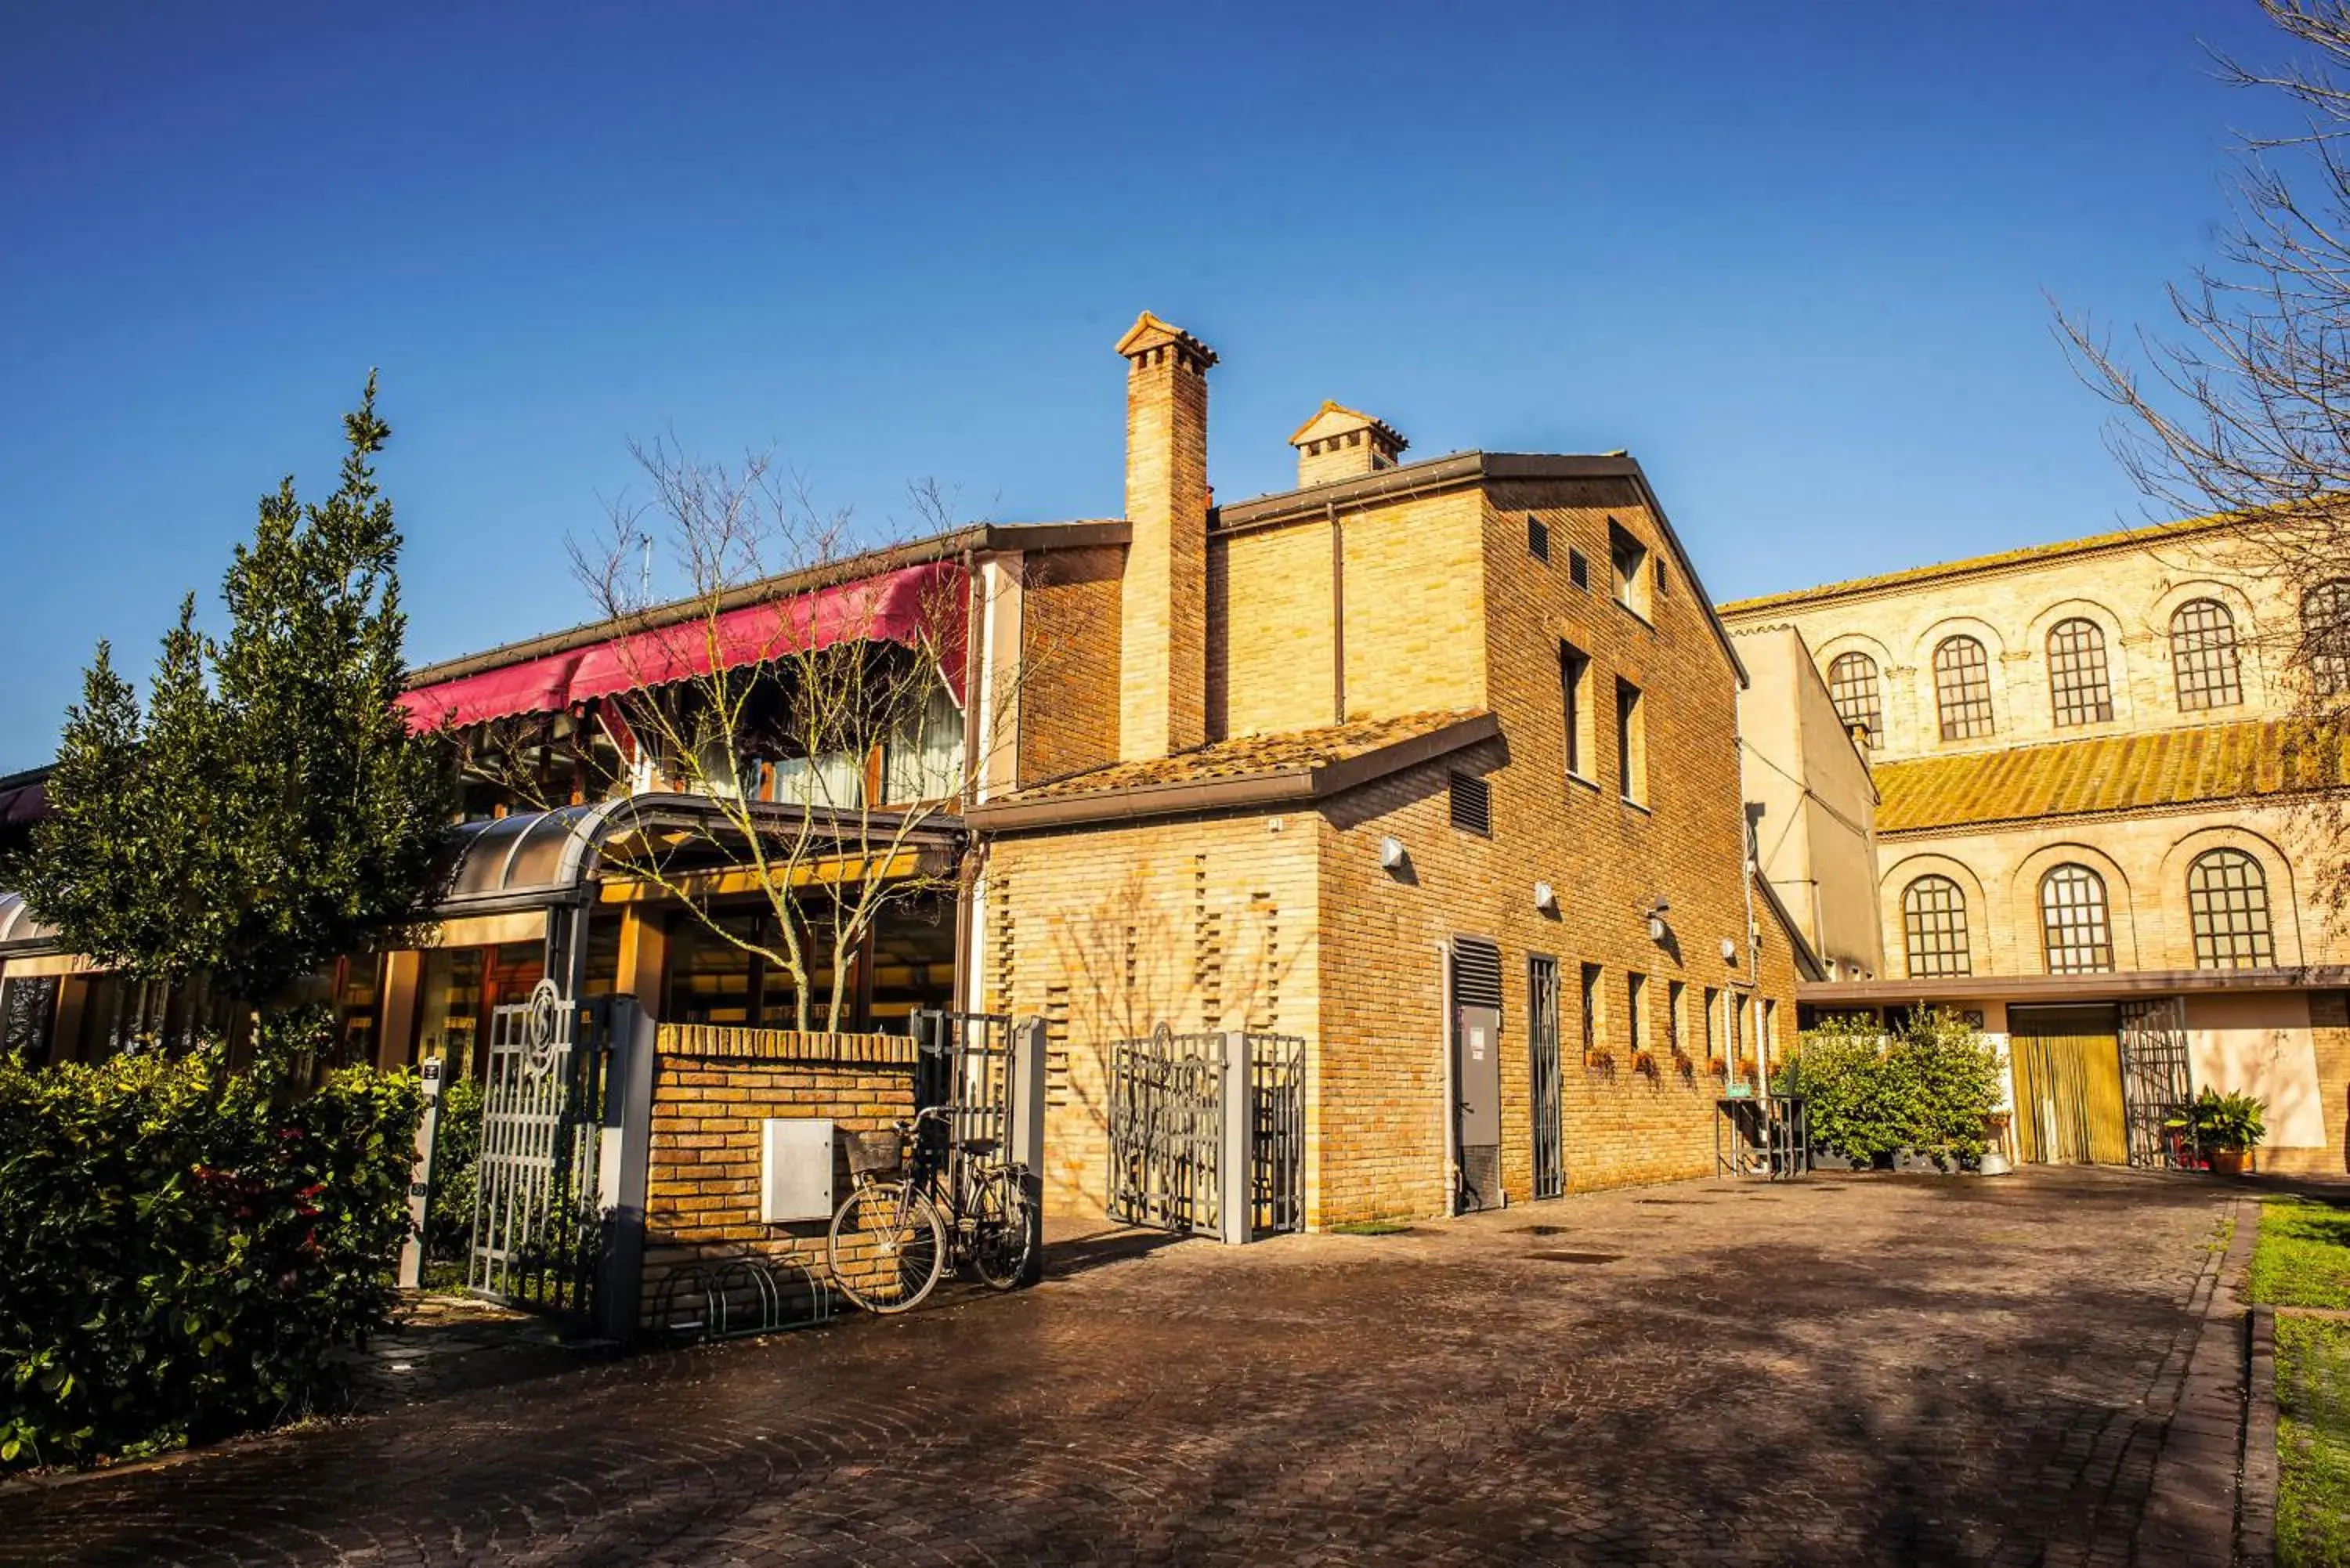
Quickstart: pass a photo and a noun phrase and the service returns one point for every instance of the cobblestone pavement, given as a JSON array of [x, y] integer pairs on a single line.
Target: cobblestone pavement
[[1848, 1370]]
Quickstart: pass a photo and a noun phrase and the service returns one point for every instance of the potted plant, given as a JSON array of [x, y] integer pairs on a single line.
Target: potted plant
[[1645, 1064], [2226, 1128], [1601, 1061]]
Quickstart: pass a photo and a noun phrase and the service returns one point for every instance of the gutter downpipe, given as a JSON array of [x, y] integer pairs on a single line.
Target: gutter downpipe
[[978, 714], [967, 888]]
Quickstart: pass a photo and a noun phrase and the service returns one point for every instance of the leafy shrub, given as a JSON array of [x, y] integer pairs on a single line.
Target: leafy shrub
[[456, 1145], [186, 1246], [1870, 1095], [2231, 1122]]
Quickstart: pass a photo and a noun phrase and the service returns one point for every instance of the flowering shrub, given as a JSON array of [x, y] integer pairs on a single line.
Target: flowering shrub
[[186, 1246]]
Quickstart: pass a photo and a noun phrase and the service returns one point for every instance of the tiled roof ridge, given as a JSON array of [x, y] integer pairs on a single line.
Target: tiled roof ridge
[[1241, 756]]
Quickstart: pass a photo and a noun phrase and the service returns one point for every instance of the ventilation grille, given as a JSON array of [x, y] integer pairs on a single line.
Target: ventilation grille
[[1472, 805], [1578, 570], [1537, 538], [1476, 972]]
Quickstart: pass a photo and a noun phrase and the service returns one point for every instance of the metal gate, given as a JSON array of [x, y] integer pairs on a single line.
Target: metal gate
[[1170, 1126], [2157, 1081], [538, 1223], [1541, 1036], [963, 1061]]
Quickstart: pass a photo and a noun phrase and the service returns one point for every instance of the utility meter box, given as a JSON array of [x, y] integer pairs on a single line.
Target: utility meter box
[[795, 1170]]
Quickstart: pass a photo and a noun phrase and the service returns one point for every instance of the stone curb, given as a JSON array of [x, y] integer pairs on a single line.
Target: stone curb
[[2256, 1506], [2191, 1513]]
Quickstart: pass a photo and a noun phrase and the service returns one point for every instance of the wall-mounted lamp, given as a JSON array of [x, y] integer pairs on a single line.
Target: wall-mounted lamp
[[1391, 854], [1546, 898], [1729, 949], [1656, 907]]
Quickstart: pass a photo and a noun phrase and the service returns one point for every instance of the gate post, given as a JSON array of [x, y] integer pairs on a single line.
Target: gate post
[[419, 1181], [1024, 1139], [623, 1172], [1236, 1160]]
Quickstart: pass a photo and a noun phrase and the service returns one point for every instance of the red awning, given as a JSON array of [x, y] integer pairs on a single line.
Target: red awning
[[921, 606]]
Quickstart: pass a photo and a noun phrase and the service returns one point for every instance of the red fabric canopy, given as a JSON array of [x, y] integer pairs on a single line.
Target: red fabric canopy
[[921, 606]]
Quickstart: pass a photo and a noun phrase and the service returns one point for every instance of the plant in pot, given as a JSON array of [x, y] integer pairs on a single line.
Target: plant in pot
[[1645, 1064], [2225, 1128]]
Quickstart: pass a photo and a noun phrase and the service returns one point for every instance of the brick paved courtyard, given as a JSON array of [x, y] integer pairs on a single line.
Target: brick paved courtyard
[[1849, 1370]]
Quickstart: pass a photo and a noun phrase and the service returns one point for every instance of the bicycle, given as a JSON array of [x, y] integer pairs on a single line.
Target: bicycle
[[890, 1244]]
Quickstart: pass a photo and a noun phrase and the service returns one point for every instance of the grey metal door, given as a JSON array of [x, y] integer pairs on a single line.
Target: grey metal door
[[1477, 1071]]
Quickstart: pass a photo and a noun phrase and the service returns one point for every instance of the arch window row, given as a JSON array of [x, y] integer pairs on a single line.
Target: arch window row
[[2205, 662], [2227, 906]]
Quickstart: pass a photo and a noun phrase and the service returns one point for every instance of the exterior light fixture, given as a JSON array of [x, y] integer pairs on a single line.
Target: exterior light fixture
[[1729, 950], [1546, 898], [1655, 911], [1390, 853]]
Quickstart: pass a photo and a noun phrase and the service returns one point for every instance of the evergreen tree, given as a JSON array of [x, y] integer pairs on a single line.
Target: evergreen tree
[[269, 809]]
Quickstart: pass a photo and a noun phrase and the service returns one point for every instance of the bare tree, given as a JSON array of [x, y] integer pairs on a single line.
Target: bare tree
[[801, 691], [2243, 408]]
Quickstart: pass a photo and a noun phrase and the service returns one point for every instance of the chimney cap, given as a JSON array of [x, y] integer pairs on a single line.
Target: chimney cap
[[1149, 332], [1336, 419]]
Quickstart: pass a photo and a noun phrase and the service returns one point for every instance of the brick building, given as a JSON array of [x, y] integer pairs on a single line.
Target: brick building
[[2090, 826], [1430, 765]]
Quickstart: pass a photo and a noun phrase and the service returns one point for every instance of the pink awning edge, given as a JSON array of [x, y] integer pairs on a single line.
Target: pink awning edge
[[919, 607]]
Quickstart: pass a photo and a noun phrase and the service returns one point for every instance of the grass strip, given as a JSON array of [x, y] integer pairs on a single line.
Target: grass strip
[[2303, 1256], [2313, 1372]]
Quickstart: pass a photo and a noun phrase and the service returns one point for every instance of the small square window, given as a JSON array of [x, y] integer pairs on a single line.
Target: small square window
[[1578, 570], [1537, 538]]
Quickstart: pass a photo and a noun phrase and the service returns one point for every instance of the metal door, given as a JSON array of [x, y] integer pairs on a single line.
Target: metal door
[[2068, 1084], [1543, 1065], [1477, 1071]]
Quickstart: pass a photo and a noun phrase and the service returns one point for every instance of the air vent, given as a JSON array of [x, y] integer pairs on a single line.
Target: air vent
[[1537, 538], [1578, 570], [1476, 972], [1472, 805]]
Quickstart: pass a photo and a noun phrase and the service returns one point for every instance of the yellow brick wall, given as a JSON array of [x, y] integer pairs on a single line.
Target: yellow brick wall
[[2329, 1018], [1107, 932], [1415, 595], [1068, 672], [701, 1198], [1270, 644]]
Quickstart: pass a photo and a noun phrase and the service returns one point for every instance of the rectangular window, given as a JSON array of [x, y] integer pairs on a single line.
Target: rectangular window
[[1770, 1027], [1636, 992], [1629, 560], [1712, 999], [1578, 570], [1632, 743], [1575, 691], [1537, 538], [1676, 999], [1590, 1009]]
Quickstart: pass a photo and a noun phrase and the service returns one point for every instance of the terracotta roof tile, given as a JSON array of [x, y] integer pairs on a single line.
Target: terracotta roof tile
[[1246, 756], [2108, 773]]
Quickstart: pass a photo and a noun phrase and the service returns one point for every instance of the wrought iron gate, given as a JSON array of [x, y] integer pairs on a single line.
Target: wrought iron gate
[[963, 1060], [1542, 1034], [2157, 1082], [538, 1224], [1169, 1129]]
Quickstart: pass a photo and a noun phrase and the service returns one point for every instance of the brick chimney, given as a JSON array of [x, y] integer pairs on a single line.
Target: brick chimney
[[1163, 601], [1344, 443]]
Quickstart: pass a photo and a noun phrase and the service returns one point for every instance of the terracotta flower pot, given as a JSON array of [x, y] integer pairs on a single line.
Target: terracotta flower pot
[[2228, 1161]]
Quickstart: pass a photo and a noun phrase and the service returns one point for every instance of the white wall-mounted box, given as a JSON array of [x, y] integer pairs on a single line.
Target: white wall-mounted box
[[795, 1170]]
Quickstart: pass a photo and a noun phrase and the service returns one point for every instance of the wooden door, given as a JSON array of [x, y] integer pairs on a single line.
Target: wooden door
[[2068, 1086]]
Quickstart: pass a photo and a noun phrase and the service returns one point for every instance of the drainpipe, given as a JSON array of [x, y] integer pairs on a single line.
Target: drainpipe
[[1337, 614], [1452, 1088]]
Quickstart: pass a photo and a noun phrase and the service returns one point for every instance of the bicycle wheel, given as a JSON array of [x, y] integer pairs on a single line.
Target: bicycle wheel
[[886, 1248], [1001, 1240]]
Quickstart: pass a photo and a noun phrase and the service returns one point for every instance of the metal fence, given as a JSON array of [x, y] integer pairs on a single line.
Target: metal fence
[[538, 1227], [1171, 1131]]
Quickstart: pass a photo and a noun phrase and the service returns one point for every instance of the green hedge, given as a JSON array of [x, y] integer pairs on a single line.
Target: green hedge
[[184, 1247], [1928, 1087]]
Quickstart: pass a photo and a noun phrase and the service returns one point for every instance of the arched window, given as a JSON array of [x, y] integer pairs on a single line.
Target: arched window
[[1962, 689], [2203, 656], [1934, 929], [1852, 686], [2228, 900], [2078, 936], [2325, 636], [2076, 673]]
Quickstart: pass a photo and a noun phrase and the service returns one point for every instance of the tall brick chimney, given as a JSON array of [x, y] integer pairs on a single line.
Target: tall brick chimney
[[1163, 604], [1344, 443]]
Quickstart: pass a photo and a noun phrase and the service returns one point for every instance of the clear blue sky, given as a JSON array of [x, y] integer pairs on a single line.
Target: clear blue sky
[[1792, 257]]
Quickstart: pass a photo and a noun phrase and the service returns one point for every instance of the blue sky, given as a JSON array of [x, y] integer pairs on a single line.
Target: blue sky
[[1795, 257]]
